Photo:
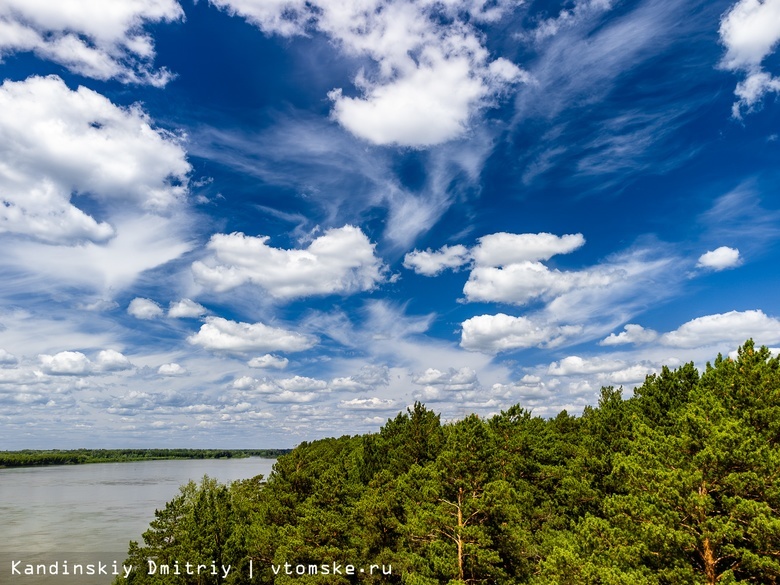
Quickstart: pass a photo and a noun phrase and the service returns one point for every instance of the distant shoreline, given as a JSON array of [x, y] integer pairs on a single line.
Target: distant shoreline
[[46, 457]]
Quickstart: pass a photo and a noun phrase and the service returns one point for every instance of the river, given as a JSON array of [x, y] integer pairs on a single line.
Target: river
[[50, 513]]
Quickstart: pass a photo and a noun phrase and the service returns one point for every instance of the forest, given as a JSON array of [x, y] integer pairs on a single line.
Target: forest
[[677, 484], [32, 457]]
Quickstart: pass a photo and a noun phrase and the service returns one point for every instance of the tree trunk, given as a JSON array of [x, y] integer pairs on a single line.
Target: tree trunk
[[460, 534], [709, 563]]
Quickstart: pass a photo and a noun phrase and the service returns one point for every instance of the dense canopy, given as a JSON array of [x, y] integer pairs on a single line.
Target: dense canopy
[[679, 484]]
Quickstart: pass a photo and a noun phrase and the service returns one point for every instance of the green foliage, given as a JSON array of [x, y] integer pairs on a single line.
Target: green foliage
[[203, 525], [679, 484]]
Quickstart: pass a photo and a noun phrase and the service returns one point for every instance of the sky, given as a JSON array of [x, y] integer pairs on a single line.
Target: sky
[[250, 223]]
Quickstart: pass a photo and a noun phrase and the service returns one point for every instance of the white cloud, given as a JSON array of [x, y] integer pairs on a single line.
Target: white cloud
[[94, 38], [720, 258], [575, 304], [219, 334], [186, 308], [294, 389], [576, 365], [432, 71], [67, 363], [613, 291], [431, 263], [341, 261], [373, 403], [110, 360], [429, 105], [569, 17], [48, 332], [507, 267], [502, 249], [142, 242], [750, 31], [55, 142], [141, 308], [368, 379], [520, 283], [734, 327], [495, 333], [464, 379], [301, 384], [290, 397], [244, 383], [631, 375], [268, 361], [172, 369], [631, 334], [7, 358]]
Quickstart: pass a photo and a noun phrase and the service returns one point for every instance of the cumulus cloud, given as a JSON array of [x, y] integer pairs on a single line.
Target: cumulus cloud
[[102, 40], [245, 383], [750, 31], [66, 363], [186, 308], [75, 363], [284, 390], [494, 251], [7, 358], [631, 334], [373, 403], [630, 375], [219, 334], [576, 365], [301, 384], [289, 397], [733, 327], [55, 142], [502, 249], [577, 304], [588, 302], [507, 267], [366, 380], [463, 379], [341, 261], [172, 369], [520, 283], [268, 361], [141, 308], [297, 389], [431, 263], [719, 259], [110, 360], [432, 74], [496, 333]]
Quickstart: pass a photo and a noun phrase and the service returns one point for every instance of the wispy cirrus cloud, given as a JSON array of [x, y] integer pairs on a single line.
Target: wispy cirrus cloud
[[339, 179], [583, 63]]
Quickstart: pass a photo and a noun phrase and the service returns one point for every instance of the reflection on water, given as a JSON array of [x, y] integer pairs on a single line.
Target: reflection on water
[[97, 508]]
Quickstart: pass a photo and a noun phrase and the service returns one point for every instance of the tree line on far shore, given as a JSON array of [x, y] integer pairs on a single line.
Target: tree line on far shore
[[32, 457], [678, 484]]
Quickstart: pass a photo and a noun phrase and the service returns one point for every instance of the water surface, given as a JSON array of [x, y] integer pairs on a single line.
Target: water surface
[[98, 507]]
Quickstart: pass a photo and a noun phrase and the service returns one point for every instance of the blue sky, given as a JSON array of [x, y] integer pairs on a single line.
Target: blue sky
[[248, 223]]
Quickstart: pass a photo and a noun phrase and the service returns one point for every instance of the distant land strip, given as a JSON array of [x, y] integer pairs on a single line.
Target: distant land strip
[[33, 457]]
